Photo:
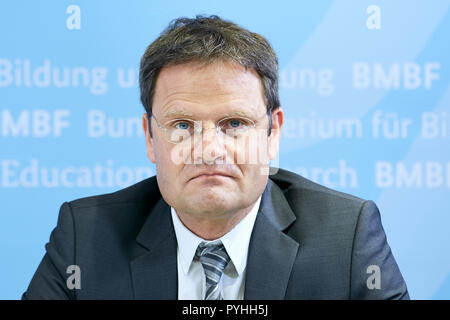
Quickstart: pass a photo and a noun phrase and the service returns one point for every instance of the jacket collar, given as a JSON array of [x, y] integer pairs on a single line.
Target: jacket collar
[[271, 253], [154, 270]]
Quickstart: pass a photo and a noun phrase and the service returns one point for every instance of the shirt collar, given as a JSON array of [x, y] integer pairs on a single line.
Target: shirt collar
[[187, 242], [236, 241]]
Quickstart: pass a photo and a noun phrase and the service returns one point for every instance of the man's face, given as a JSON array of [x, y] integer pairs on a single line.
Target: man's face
[[207, 184]]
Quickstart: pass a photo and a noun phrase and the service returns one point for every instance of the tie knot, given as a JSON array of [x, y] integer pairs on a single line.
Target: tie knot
[[213, 255]]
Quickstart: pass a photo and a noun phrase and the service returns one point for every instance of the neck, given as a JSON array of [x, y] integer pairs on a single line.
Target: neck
[[212, 228]]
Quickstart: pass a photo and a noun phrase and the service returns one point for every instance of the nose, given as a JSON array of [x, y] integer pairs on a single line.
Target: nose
[[213, 147], [209, 133]]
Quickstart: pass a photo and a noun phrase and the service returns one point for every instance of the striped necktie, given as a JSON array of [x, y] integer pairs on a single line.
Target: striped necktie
[[214, 259]]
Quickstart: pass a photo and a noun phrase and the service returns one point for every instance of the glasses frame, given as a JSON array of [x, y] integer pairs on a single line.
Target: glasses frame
[[200, 128]]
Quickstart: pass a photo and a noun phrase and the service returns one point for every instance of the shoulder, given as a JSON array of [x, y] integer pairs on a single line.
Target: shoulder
[[299, 189], [93, 224], [121, 210], [316, 206], [141, 192]]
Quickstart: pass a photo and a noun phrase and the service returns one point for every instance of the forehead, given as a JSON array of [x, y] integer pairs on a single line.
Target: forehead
[[195, 87]]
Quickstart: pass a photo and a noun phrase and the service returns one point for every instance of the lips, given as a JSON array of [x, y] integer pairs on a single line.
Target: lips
[[211, 174]]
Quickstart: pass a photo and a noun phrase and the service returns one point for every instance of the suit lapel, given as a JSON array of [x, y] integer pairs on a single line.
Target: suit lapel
[[271, 252], [154, 270]]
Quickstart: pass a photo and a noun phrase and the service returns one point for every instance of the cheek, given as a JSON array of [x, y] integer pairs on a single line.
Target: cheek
[[160, 149], [250, 150], [253, 183], [166, 164]]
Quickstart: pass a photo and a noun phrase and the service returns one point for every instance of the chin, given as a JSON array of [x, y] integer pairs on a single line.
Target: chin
[[211, 202]]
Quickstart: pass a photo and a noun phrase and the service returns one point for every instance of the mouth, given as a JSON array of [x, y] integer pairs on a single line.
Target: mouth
[[211, 176]]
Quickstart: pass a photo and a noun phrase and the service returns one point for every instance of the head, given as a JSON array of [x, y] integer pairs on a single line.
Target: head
[[207, 69]]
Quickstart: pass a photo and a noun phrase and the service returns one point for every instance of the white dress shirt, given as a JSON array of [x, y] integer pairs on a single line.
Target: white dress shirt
[[191, 277]]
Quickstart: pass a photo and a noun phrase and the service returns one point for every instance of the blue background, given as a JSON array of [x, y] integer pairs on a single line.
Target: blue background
[[308, 37]]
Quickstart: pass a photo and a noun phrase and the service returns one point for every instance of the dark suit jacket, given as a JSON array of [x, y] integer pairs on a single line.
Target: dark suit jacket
[[308, 242]]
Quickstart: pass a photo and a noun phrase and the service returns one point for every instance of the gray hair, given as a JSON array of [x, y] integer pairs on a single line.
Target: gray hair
[[207, 39]]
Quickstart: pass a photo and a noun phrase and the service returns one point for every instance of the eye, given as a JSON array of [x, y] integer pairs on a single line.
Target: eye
[[235, 123], [182, 125]]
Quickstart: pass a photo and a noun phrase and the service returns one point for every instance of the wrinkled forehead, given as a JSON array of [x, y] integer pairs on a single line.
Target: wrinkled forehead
[[187, 87]]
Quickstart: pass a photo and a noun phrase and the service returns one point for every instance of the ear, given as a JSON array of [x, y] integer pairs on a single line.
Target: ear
[[148, 140], [275, 135]]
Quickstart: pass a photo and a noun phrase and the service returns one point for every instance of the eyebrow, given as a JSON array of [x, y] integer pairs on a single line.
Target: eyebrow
[[183, 113], [177, 113], [237, 113]]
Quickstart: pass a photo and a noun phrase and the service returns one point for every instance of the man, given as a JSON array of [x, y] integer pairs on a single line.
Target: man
[[212, 224]]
